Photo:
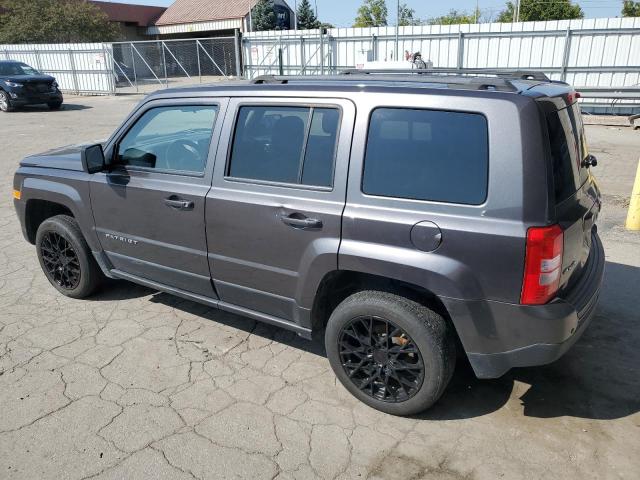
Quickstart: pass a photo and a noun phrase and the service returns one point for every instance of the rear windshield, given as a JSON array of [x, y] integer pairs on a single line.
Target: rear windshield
[[568, 149]]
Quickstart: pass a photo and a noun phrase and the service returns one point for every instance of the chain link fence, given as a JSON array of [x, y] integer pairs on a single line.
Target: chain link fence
[[149, 65]]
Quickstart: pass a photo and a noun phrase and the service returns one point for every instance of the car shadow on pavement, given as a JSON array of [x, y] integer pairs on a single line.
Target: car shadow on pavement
[[44, 108], [598, 378]]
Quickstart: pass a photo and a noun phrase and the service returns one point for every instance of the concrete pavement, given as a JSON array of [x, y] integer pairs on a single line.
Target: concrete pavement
[[138, 384]]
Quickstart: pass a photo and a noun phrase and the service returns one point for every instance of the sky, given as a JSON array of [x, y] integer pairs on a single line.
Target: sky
[[341, 13]]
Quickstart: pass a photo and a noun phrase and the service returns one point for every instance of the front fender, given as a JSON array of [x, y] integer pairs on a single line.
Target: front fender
[[67, 188]]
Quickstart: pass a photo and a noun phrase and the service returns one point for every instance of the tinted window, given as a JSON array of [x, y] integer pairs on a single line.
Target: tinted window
[[170, 138], [285, 145], [16, 68], [427, 155], [568, 149]]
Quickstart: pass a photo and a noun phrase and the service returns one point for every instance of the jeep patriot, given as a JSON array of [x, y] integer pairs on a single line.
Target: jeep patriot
[[410, 217]]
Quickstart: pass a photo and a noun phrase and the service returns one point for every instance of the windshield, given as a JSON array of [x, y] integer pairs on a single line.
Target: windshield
[[17, 69]]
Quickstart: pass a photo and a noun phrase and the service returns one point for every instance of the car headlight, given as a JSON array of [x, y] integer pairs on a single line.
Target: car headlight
[[13, 84], [54, 84]]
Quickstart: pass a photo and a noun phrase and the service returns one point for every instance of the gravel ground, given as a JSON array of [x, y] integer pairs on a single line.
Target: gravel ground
[[138, 384]]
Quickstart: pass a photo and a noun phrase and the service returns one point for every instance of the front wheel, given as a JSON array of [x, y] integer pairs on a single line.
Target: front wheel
[[65, 257], [390, 352], [55, 105], [5, 103]]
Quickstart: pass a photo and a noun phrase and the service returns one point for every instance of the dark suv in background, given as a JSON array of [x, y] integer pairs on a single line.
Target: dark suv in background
[[405, 216], [22, 85]]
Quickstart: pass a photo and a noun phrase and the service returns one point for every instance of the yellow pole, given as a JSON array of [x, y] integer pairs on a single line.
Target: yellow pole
[[633, 217]]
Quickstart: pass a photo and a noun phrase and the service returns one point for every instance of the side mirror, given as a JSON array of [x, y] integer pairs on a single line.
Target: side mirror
[[590, 161], [93, 158]]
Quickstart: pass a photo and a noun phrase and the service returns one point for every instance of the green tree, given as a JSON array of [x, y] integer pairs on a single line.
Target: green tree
[[456, 17], [630, 9], [372, 13], [535, 10], [406, 16], [306, 16], [263, 16], [54, 21]]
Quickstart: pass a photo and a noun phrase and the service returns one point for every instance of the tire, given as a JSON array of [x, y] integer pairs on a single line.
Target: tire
[[5, 103], [421, 328], [55, 105], [51, 237]]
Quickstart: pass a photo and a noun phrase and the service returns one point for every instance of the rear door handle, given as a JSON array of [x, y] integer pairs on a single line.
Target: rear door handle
[[179, 204], [301, 222]]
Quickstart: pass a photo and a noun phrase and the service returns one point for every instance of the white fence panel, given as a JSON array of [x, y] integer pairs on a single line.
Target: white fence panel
[[603, 52], [77, 67]]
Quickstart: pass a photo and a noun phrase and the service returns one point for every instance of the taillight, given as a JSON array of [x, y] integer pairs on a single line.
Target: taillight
[[542, 264]]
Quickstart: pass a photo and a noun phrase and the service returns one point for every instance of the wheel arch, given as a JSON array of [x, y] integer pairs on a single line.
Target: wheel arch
[[44, 198], [337, 285], [37, 211]]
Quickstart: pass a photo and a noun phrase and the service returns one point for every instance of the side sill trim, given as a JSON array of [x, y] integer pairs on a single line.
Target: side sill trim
[[227, 307]]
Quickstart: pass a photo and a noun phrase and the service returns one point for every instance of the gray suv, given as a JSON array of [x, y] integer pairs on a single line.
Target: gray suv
[[410, 216]]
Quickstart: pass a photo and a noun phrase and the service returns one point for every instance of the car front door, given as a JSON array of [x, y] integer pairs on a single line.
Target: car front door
[[149, 207], [274, 211]]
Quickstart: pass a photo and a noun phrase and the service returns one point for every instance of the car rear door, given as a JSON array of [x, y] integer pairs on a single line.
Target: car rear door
[[149, 207], [274, 211]]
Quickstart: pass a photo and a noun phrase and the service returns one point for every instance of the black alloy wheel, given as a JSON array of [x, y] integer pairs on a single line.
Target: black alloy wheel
[[60, 260], [381, 359]]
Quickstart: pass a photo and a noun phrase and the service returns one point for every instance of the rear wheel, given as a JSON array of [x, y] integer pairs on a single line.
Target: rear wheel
[[392, 353], [5, 103], [66, 259]]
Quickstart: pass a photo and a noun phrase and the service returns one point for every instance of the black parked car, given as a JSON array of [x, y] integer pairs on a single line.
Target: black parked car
[[21, 85]]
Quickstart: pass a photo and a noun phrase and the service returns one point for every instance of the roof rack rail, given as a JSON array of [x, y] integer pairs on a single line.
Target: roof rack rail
[[498, 72], [459, 82]]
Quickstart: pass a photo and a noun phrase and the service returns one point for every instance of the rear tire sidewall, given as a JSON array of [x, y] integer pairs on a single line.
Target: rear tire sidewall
[[89, 274], [425, 328]]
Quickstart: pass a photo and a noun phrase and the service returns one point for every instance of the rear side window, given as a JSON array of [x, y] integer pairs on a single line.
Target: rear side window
[[427, 155], [568, 149], [293, 145]]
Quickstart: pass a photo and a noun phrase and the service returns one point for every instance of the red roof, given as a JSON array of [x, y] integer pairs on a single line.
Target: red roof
[[189, 11], [142, 15]]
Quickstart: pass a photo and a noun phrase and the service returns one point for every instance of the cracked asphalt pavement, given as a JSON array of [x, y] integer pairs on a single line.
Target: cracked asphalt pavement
[[138, 384]]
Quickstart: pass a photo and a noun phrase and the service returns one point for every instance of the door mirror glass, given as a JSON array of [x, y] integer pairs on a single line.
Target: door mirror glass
[[93, 158]]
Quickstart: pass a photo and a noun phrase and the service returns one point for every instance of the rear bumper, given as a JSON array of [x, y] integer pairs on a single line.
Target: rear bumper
[[499, 336]]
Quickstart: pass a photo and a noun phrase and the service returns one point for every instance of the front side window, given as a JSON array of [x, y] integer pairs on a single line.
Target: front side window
[[294, 145], [172, 138], [427, 155]]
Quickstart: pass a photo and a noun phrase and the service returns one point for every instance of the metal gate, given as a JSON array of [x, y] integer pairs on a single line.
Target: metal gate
[[149, 65]]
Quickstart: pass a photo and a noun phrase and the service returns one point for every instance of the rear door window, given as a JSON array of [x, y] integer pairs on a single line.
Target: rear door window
[[292, 145], [427, 155], [568, 150]]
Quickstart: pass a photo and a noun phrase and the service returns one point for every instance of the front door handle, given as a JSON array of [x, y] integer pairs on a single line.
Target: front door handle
[[179, 204], [297, 220]]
